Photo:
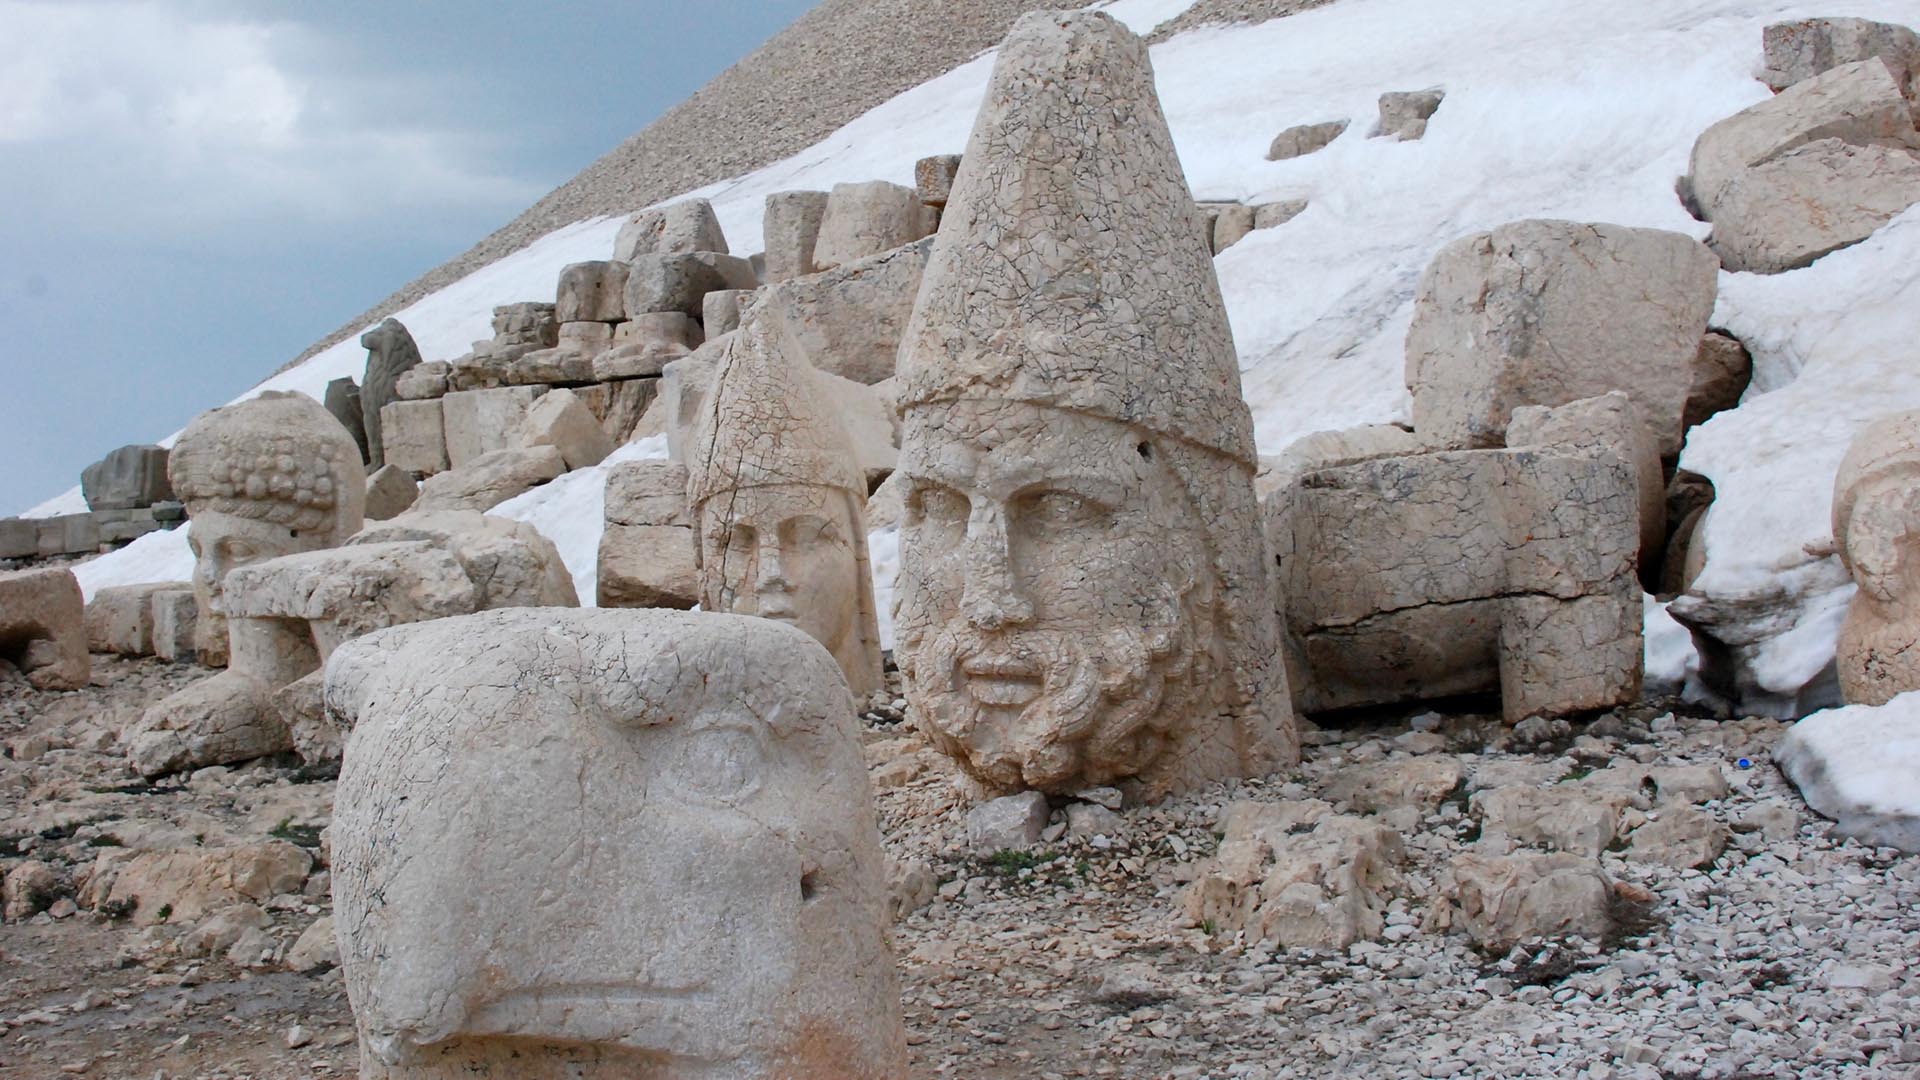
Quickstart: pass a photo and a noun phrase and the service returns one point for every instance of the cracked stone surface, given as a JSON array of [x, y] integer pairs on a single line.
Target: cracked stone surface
[[778, 494], [1802, 48], [698, 774], [1082, 571], [1546, 312], [1429, 575]]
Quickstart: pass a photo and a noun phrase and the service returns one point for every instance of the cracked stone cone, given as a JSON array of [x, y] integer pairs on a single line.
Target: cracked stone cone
[[1070, 392]]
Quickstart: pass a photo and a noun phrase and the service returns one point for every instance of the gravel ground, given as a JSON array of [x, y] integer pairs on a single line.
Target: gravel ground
[[1788, 955]]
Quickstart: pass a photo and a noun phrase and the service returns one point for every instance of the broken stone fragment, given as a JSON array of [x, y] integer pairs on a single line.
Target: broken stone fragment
[[1404, 113], [677, 229], [1303, 139]]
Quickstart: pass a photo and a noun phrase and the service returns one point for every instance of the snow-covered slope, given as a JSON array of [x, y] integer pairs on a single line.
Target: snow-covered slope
[[1553, 110]]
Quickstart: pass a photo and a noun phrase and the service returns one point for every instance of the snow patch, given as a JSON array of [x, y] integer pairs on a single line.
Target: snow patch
[[571, 512], [1856, 765]]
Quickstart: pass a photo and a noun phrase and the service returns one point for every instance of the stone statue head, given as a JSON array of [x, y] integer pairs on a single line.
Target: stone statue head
[[608, 844], [777, 496], [1082, 565], [1876, 532], [270, 476]]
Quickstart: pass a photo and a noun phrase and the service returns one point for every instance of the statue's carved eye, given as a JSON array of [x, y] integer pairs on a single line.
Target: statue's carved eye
[[1055, 509], [717, 764], [937, 505]]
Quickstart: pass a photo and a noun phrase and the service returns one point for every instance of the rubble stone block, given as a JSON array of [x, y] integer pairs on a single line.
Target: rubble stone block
[[591, 292], [1799, 49], [1298, 875], [1303, 139], [560, 420], [1548, 312], [490, 479], [482, 421], [1817, 198], [678, 229], [792, 231], [866, 219], [649, 566], [1008, 823], [390, 491], [1231, 223], [534, 324], [933, 178], [1506, 899], [1722, 369], [1859, 104], [423, 381], [584, 337], [620, 406], [1404, 113], [681, 282], [646, 344], [720, 311], [1274, 214], [43, 627], [1607, 424], [174, 617], [120, 617], [849, 321], [123, 526], [647, 492], [415, 436], [1432, 575], [126, 479]]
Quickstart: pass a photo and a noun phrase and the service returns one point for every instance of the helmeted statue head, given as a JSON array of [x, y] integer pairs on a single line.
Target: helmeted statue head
[[269, 476], [608, 844], [1084, 595], [778, 496]]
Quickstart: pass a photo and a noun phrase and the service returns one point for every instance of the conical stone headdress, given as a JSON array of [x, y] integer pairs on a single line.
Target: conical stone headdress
[[764, 422], [1070, 270]]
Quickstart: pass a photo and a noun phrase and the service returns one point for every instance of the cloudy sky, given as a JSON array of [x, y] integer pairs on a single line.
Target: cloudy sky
[[196, 190]]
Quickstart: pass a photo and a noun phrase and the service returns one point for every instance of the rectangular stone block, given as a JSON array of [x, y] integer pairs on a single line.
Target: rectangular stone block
[[652, 492], [591, 292], [420, 382], [868, 218], [791, 229], [849, 320], [481, 421], [68, 534], [415, 435], [648, 566], [586, 337], [128, 528], [120, 617], [933, 178], [43, 627], [682, 282], [175, 615], [19, 538]]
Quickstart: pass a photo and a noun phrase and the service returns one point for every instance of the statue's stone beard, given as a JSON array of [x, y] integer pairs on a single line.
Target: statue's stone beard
[[1106, 701]]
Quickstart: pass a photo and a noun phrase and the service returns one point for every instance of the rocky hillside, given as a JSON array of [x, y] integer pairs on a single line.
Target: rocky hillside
[[836, 62]]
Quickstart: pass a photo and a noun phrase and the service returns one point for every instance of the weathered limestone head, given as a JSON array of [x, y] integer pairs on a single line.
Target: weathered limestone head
[[1876, 530], [1084, 594], [777, 496], [270, 476], [597, 844]]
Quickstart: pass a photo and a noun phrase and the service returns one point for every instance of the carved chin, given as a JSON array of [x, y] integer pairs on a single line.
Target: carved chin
[[1041, 711]]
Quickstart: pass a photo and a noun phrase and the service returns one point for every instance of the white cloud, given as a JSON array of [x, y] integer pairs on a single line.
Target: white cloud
[[112, 108]]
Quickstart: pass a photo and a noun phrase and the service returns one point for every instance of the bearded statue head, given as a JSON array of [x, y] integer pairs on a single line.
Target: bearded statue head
[[1084, 593]]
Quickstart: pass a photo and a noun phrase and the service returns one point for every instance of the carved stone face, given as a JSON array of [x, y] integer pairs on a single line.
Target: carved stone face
[[673, 831], [222, 541], [1054, 599], [783, 552]]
